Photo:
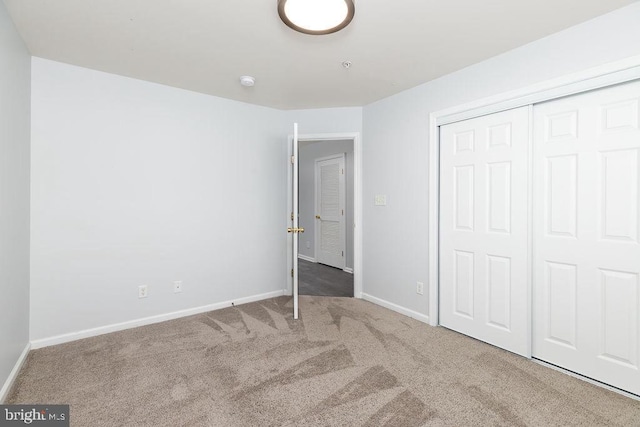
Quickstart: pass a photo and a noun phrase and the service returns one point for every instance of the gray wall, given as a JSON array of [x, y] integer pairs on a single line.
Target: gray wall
[[309, 152], [136, 183], [396, 134], [15, 66]]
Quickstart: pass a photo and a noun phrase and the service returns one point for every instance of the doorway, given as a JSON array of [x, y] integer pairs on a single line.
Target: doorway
[[292, 205], [326, 212]]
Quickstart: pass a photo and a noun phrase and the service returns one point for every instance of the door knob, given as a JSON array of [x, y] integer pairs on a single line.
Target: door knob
[[317, 216]]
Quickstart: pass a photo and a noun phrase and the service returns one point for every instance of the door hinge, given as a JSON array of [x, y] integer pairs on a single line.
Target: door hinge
[[292, 272], [343, 212], [342, 253], [291, 216], [293, 159], [342, 171]]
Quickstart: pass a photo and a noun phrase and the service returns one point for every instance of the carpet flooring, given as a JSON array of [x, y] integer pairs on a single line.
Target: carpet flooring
[[322, 280], [346, 362]]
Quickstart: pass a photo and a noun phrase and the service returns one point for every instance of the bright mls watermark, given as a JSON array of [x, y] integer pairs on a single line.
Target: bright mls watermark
[[34, 415]]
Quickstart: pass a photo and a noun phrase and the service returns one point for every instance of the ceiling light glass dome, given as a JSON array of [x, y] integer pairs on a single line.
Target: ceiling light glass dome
[[316, 16]]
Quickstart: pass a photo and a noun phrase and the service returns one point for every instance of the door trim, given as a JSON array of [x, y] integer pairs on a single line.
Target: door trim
[[357, 202], [342, 195], [590, 79]]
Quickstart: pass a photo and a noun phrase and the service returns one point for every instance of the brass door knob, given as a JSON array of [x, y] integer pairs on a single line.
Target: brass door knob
[[317, 216]]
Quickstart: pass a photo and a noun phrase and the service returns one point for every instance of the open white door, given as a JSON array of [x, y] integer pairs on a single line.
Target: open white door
[[294, 229]]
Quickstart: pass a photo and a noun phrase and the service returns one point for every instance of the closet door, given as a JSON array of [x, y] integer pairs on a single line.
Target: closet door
[[586, 241], [483, 229]]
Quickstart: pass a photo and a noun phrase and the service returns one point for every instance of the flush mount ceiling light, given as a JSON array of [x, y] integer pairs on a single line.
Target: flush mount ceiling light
[[316, 17]]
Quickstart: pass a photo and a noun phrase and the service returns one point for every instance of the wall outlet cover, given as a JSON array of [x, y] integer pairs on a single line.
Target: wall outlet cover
[[142, 291]]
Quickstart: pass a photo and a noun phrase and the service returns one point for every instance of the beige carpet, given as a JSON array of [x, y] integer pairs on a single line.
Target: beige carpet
[[345, 363]]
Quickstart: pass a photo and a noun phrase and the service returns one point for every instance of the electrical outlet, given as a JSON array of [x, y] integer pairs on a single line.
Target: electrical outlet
[[177, 286], [142, 291], [420, 288]]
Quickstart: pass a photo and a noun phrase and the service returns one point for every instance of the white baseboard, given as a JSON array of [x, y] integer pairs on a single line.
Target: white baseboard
[[306, 258], [396, 308], [348, 270], [8, 384], [73, 336]]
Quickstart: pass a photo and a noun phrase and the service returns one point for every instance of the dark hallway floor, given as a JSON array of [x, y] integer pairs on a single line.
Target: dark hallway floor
[[322, 280]]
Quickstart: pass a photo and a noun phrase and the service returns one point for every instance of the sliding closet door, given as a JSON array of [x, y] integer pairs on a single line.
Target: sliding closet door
[[483, 229], [586, 236]]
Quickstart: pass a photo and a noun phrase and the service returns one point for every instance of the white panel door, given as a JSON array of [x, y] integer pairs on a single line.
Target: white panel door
[[586, 240], [483, 229], [330, 201]]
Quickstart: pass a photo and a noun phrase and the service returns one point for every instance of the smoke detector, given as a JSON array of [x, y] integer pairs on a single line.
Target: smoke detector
[[247, 81]]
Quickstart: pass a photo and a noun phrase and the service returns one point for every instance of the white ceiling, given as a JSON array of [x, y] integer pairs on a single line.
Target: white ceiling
[[206, 45]]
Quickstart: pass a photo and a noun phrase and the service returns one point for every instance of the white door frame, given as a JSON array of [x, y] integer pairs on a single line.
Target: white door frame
[[357, 201], [593, 78], [342, 195]]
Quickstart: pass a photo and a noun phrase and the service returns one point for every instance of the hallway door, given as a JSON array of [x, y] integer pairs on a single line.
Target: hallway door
[[330, 239]]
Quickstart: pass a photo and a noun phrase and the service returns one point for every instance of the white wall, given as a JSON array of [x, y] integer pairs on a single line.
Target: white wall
[[396, 132], [325, 120], [135, 183], [15, 64], [309, 152]]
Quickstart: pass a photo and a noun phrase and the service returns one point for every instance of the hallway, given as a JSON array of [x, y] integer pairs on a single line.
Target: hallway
[[322, 280]]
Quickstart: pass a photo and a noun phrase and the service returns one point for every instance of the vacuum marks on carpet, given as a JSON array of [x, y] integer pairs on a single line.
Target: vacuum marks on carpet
[[345, 362]]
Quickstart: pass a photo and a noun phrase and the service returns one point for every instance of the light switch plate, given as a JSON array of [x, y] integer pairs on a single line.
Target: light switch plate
[[381, 200]]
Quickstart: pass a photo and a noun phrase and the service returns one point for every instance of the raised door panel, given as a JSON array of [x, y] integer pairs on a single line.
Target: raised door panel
[[561, 179], [619, 195], [619, 308], [499, 197], [463, 142], [620, 116], [560, 288], [463, 280], [499, 292], [463, 195]]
